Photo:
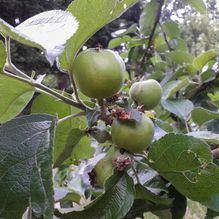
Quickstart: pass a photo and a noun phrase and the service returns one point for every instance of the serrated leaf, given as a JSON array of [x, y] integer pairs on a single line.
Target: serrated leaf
[[114, 203], [171, 29], [148, 17], [14, 96], [179, 149], [206, 135], [8, 30], [42, 28], [3, 56], [200, 61], [201, 115], [198, 5], [187, 163], [174, 86], [181, 108], [49, 105], [92, 16], [180, 57], [26, 166]]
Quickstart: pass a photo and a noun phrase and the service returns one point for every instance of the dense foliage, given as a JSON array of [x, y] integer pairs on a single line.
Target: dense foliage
[[148, 146]]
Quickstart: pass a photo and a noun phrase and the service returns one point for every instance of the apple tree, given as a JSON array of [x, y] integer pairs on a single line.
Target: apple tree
[[139, 131]]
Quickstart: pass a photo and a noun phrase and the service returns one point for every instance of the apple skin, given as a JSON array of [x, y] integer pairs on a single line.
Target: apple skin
[[103, 170], [133, 136], [98, 73], [147, 93]]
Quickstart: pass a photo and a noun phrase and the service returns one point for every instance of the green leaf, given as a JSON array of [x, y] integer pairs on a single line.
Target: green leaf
[[179, 44], [214, 98], [213, 203], [14, 96], [92, 16], [42, 28], [49, 105], [148, 17], [201, 115], [174, 86], [208, 76], [160, 44], [81, 151], [206, 135], [73, 138], [115, 42], [62, 194], [180, 57], [171, 29], [3, 56], [114, 203], [198, 5], [143, 193], [187, 163], [26, 166], [8, 30], [38, 31], [181, 108], [200, 61]]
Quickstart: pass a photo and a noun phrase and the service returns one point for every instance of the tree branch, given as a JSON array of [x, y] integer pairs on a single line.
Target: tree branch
[[158, 16], [70, 117], [9, 65], [43, 89]]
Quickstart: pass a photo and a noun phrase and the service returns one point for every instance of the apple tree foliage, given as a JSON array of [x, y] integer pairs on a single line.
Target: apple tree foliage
[[47, 156]]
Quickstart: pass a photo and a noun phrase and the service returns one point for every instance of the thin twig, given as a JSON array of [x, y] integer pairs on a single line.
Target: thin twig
[[74, 87], [158, 16], [9, 65], [188, 129], [70, 117], [43, 89], [165, 37]]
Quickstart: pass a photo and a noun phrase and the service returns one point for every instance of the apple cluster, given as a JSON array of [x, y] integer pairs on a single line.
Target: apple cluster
[[100, 73]]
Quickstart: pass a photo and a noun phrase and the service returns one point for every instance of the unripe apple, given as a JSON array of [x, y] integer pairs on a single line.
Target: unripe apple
[[147, 93], [99, 73], [133, 136]]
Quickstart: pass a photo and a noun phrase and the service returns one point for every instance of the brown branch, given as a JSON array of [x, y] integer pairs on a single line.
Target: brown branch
[[158, 16]]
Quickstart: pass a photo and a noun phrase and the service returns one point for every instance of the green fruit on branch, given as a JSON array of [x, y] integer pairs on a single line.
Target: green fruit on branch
[[103, 170], [133, 136], [147, 93], [99, 73]]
